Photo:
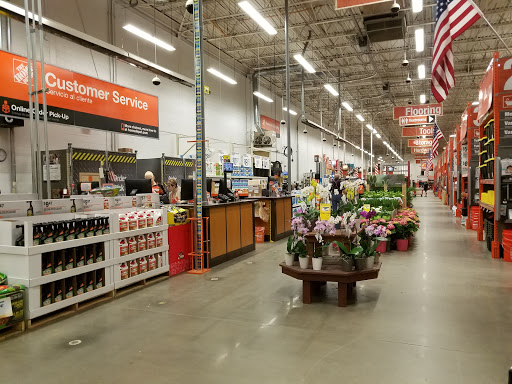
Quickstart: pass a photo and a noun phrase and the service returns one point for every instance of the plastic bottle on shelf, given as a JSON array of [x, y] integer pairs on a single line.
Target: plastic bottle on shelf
[[124, 271], [157, 217], [37, 232], [123, 223], [134, 268], [151, 241], [132, 244], [132, 221], [106, 226], [151, 263], [91, 231], [143, 265], [160, 260], [159, 239], [124, 247], [49, 233], [71, 230], [141, 219], [99, 226], [149, 218], [142, 243]]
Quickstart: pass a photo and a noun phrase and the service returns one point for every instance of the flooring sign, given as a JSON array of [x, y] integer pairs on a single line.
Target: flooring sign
[[75, 99]]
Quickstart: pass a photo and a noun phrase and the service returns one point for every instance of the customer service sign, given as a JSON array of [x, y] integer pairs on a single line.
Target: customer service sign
[[76, 99]]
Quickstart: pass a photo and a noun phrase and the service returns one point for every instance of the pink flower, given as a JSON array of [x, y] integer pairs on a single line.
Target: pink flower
[[391, 226], [375, 222], [382, 221]]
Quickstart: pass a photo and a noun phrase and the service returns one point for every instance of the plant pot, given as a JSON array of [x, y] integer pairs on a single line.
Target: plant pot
[[370, 261], [360, 264], [347, 265], [381, 248], [288, 259], [317, 263], [377, 257], [402, 245], [409, 240], [304, 262]]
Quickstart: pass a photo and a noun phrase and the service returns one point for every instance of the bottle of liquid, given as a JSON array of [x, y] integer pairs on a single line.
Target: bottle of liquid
[[36, 234], [81, 229], [50, 234], [66, 229], [106, 226], [44, 233], [92, 228], [99, 227], [59, 232], [30, 210], [124, 271], [73, 206]]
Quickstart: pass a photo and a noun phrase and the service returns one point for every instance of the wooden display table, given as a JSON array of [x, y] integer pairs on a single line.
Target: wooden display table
[[340, 236], [313, 280]]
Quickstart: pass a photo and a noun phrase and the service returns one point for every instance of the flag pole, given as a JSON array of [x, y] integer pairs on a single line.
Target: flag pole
[[491, 26]]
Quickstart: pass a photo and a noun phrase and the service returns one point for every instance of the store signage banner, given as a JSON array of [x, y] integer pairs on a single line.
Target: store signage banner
[[340, 4], [485, 93], [417, 120], [269, 124], [417, 131], [418, 110], [420, 142], [419, 150], [75, 99]]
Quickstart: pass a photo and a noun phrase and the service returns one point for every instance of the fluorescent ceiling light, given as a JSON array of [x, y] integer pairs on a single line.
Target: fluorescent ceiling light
[[378, 135], [386, 143], [419, 35], [292, 112], [421, 71], [302, 61], [475, 103], [347, 106], [360, 118], [146, 36], [262, 96], [331, 89], [423, 99], [417, 6], [357, 147], [453, 135], [369, 127], [221, 75], [263, 23]]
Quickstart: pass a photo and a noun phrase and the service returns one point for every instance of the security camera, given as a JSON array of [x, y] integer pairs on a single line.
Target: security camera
[[409, 102], [283, 122], [190, 6], [305, 130], [335, 144], [395, 7], [408, 80], [324, 139], [405, 63], [156, 80]]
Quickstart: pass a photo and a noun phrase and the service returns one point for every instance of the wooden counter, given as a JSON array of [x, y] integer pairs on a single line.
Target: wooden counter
[[279, 226]]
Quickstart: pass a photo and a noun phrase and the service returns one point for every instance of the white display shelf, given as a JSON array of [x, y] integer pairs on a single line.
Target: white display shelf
[[143, 231], [41, 311], [69, 273], [136, 255], [142, 276]]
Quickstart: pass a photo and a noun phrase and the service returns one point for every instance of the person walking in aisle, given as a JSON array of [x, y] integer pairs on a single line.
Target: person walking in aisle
[[335, 193], [425, 188]]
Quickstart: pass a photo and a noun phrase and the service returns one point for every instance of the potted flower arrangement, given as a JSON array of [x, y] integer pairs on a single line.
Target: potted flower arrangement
[[296, 244], [402, 232], [371, 237], [295, 247], [347, 256], [322, 227]]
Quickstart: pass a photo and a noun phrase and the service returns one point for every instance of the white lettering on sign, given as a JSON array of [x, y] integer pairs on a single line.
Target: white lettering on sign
[[418, 110]]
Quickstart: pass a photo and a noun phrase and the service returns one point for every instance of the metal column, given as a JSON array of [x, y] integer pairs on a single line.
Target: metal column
[[288, 130]]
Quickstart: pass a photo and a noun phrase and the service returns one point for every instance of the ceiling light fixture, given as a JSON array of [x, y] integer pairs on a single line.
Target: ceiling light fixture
[[146, 36], [423, 99], [331, 89], [419, 36], [378, 135], [359, 117], [421, 71], [453, 135], [255, 15], [221, 75], [262, 96], [417, 6], [475, 103], [292, 112], [347, 106], [302, 61]]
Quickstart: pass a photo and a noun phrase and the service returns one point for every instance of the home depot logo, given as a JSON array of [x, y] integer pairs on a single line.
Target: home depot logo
[[5, 107], [122, 126], [20, 71]]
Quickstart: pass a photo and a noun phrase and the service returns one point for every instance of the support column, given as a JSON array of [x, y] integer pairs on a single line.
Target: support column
[[288, 128]]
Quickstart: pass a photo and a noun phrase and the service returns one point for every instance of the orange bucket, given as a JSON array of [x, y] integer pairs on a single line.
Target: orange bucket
[[260, 234], [506, 253]]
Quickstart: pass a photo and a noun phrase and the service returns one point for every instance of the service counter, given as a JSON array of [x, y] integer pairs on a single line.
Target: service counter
[[278, 225]]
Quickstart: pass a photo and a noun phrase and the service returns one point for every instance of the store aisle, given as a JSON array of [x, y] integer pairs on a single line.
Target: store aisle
[[438, 314]]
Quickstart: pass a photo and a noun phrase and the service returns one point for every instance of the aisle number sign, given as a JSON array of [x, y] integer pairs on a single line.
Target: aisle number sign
[[75, 99], [325, 211]]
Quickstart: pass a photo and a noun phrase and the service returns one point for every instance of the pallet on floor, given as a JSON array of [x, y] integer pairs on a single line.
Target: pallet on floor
[[11, 331], [68, 311], [119, 292]]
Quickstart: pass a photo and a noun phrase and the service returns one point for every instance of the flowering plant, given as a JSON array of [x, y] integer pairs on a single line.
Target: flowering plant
[[368, 215], [297, 245], [323, 227], [345, 253], [349, 221]]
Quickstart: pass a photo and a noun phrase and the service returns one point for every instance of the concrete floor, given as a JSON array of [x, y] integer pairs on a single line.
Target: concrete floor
[[441, 313]]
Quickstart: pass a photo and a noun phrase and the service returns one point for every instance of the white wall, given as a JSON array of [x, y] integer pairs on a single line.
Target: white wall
[[228, 109]]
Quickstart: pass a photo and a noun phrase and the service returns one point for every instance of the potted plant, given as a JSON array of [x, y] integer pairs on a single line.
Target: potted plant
[[303, 260], [294, 247], [317, 256], [347, 257], [401, 234], [360, 261]]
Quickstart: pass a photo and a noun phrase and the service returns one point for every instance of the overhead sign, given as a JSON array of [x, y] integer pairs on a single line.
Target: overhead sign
[[417, 131], [418, 110], [485, 93], [340, 4], [417, 120], [269, 124], [420, 142], [75, 99], [420, 150]]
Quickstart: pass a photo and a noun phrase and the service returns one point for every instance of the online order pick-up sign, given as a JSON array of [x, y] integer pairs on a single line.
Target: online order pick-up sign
[[75, 99]]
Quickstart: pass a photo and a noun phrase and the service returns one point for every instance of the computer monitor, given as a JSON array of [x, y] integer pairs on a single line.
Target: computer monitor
[[187, 189], [87, 187], [134, 186]]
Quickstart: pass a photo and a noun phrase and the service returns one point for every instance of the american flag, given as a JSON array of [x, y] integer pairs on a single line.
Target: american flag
[[377, 169], [429, 163], [438, 135], [452, 19]]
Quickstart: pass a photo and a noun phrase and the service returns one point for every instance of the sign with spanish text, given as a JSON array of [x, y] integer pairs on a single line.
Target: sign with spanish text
[[340, 4], [417, 131], [75, 99], [420, 142], [269, 124], [417, 120], [420, 150], [418, 110]]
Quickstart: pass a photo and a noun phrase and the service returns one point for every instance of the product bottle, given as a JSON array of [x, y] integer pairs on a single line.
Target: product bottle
[[124, 271], [123, 223], [30, 210], [71, 230], [79, 229], [106, 226], [59, 232], [73, 206], [99, 226], [143, 265], [151, 240], [141, 220], [123, 247], [43, 233], [50, 233], [92, 228], [159, 239], [20, 241], [132, 222], [36, 234]]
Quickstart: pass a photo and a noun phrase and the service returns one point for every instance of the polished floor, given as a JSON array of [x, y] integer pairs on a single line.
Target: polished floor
[[441, 313]]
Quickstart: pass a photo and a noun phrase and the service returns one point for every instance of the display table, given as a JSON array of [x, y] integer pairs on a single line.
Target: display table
[[340, 236], [279, 225], [313, 280]]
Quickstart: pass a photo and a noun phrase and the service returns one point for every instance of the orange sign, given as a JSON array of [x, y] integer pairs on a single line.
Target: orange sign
[[417, 120], [417, 131], [76, 99], [269, 124], [418, 110], [340, 4], [420, 150], [420, 142], [485, 93]]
